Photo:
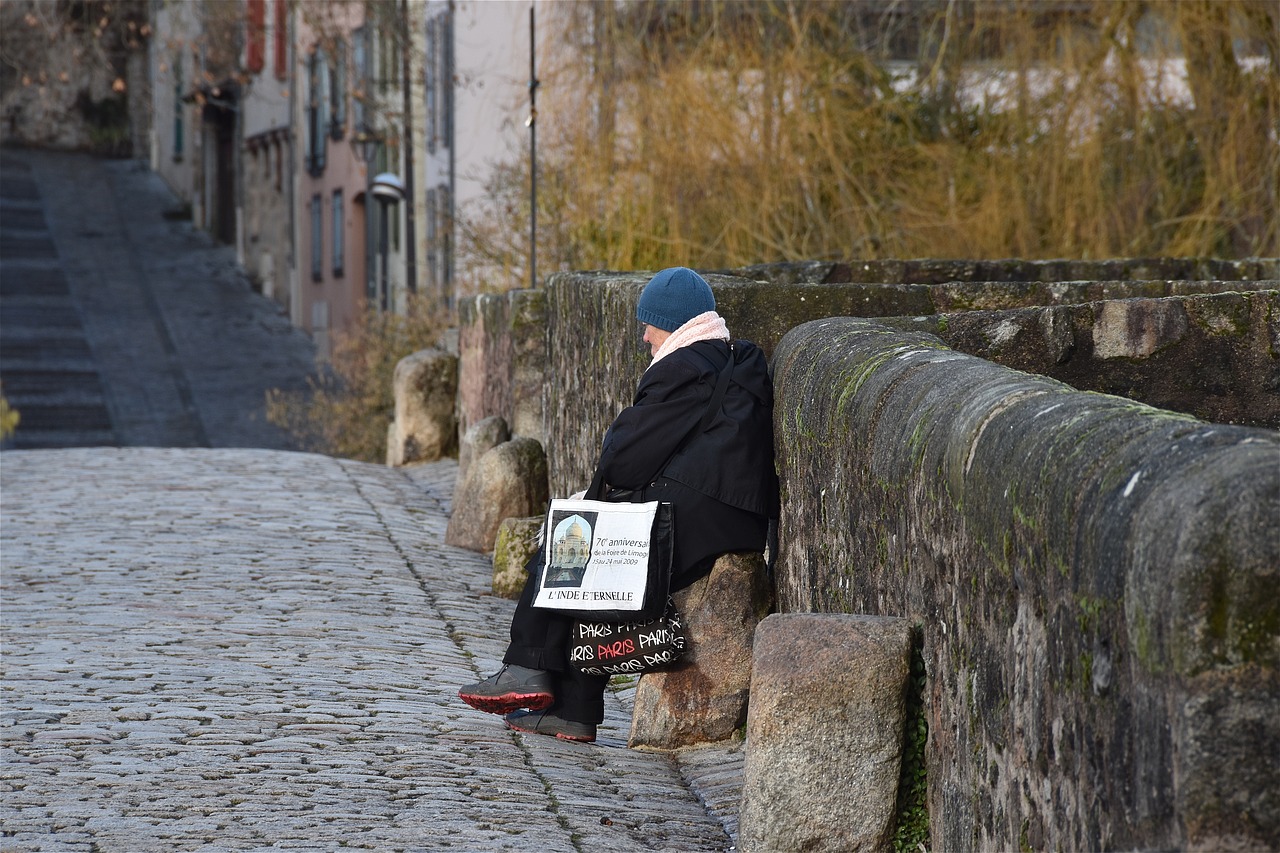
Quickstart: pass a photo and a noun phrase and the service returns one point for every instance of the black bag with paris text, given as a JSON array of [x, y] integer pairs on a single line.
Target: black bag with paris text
[[628, 648]]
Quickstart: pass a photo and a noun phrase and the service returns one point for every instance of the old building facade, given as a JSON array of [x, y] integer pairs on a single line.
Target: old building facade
[[330, 174], [264, 240]]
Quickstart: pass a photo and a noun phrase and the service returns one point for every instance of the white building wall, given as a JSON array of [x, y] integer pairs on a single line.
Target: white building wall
[[490, 106], [175, 130], [266, 238]]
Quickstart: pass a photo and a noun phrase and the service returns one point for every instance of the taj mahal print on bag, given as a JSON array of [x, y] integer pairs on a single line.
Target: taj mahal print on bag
[[571, 540]]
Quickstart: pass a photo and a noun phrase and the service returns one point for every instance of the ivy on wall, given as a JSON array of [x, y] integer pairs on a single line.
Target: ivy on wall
[[912, 833]]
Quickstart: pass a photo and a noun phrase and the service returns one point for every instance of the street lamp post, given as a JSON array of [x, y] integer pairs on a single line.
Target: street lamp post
[[388, 189], [532, 124]]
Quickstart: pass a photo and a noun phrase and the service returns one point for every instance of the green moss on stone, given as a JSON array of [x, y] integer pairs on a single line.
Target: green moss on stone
[[912, 818], [856, 378], [1025, 519], [1090, 610], [1238, 614], [1141, 640], [1223, 316], [515, 544]]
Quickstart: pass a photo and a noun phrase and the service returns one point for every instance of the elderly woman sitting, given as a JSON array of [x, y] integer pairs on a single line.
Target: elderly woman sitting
[[721, 484]]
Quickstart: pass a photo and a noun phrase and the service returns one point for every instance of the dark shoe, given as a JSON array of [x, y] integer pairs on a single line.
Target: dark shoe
[[546, 723], [510, 689]]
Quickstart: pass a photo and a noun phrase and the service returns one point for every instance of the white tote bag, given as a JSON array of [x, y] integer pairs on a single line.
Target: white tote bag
[[606, 561]]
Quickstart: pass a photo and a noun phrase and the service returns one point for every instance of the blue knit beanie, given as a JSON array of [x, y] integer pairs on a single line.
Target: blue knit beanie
[[673, 297]]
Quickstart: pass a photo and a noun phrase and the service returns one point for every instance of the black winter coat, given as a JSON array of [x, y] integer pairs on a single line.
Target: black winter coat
[[722, 484]]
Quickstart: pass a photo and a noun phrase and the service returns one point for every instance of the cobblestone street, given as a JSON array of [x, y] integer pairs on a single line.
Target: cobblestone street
[[248, 649]]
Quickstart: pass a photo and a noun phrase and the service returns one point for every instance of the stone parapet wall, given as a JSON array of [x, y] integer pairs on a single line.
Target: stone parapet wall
[[1212, 355], [595, 355], [1095, 580], [941, 271], [770, 309], [502, 348], [594, 360]]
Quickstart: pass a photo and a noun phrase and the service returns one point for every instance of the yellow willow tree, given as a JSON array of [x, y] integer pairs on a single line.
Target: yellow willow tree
[[719, 134]]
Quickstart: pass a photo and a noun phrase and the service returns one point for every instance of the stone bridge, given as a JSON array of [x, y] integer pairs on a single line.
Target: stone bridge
[[231, 649]]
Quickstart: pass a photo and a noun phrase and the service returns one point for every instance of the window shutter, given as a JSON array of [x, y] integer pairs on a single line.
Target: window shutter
[[255, 38], [282, 39]]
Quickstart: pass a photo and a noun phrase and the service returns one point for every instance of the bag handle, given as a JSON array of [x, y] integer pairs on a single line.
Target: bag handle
[[713, 406], [595, 491]]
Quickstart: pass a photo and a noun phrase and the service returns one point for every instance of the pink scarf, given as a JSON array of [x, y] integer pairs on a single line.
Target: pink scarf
[[707, 326]]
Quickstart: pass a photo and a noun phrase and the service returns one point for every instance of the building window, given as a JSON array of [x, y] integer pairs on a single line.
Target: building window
[[445, 239], [439, 81], [317, 112], [282, 39], [255, 37], [439, 243], [444, 80], [317, 238], [433, 275], [429, 85], [337, 224], [383, 60]]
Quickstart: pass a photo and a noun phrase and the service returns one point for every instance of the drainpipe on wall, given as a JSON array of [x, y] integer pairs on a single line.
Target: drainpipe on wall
[[410, 248], [295, 282], [533, 159], [449, 285]]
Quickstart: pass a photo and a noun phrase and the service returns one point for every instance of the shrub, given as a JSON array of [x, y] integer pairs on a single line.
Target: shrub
[[347, 409], [9, 419]]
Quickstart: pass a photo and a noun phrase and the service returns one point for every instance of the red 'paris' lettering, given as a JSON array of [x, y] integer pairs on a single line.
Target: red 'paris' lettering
[[613, 650]]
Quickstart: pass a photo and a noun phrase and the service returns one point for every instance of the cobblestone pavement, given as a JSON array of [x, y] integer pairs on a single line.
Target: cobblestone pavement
[[255, 649]]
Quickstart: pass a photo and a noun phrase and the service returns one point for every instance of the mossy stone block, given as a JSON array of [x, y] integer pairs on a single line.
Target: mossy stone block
[[517, 541]]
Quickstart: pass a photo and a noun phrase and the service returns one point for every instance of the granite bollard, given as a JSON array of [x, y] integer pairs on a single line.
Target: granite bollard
[[509, 481], [425, 429], [516, 542], [704, 699], [825, 733], [479, 439]]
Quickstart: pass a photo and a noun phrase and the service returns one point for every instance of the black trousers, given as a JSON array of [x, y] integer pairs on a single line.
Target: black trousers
[[540, 640]]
